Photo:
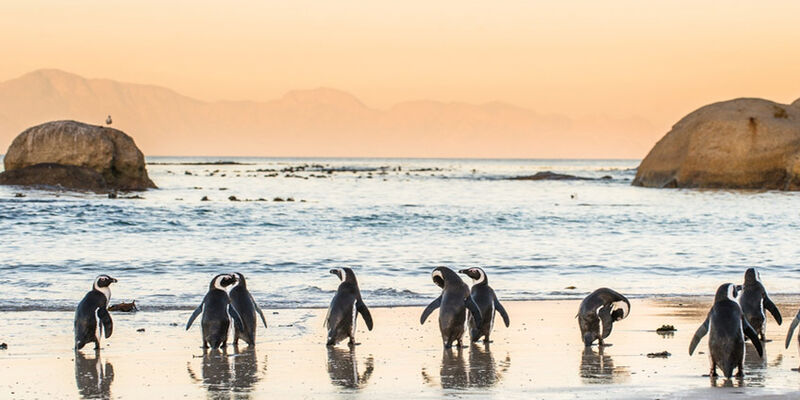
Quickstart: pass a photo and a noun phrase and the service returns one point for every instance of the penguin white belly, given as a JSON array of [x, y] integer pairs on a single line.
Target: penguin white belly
[[353, 324], [98, 326], [491, 324]]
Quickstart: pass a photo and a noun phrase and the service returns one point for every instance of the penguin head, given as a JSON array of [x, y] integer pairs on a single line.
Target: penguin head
[[727, 291], [751, 276], [442, 275], [221, 281], [344, 274], [477, 275], [240, 281], [103, 281]]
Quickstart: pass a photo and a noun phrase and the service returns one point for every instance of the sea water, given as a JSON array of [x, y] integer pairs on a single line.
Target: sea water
[[392, 221]]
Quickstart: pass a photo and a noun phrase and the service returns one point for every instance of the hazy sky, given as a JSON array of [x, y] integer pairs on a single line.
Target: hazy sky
[[657, 60]]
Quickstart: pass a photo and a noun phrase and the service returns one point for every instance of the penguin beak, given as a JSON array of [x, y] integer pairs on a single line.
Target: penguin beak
[[462, 271], [113, 280]]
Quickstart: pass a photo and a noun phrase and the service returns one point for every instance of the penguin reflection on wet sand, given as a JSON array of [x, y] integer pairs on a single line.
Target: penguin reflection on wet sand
[[91, 316], [217, 313], [93, 377], [483, 295], [598, 367], [483, 371], [344, 309], [598, 312], [246, 307], [452, 304], [223, 373], [343, 368], [754, 300], [216, 370], [726, 327]]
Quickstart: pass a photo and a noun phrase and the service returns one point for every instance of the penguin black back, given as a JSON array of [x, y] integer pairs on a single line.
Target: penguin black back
[[91, 315], [598, 312], [452, 304], [247, 308], [344, 309], [486, 300], [217, 313], [754, 299]]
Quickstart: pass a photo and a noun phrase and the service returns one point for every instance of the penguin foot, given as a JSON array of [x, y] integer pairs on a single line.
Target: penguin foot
[[353, 344]]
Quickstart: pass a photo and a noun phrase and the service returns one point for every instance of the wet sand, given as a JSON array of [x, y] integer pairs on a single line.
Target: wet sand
[[539, 356]]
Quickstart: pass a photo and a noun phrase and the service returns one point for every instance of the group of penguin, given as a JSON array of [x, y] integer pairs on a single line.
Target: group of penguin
[[738, 311], [736, 315]]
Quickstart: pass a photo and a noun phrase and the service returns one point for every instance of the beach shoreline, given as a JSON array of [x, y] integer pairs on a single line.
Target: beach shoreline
[[540, 355]]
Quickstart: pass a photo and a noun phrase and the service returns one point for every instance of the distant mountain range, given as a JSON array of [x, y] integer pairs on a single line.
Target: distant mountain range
[[317, 122]]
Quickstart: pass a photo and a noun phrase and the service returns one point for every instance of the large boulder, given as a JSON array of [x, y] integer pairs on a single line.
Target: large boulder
[[103, 152], [737, 144]]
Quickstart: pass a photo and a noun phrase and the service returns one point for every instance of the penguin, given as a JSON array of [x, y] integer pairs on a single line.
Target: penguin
[[728, 327], [91, 316], [483, 295], [242, 301], [344, 309], [453, 304], [754, 300], [108, 120], [217, 313], [792, 327], [598, 312]]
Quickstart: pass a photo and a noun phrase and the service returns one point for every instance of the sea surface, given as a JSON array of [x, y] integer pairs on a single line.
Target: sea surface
[[392, 221]]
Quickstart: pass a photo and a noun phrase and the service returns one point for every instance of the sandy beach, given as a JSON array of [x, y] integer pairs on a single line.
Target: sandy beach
[[539, 356]]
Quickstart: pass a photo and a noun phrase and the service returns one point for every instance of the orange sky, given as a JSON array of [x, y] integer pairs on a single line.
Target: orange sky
[[655, 60]]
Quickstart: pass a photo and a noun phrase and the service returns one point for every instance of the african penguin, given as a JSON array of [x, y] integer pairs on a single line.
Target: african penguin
[[483, 295], [217, 313], [754, 300], [344, 309], [91, 316], [728, 326], [792, 327], [598, 312], [246, 307], [453, 304]]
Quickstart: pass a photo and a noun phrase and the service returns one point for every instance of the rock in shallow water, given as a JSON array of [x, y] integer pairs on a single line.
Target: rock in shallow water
[[73, 155], [736, 144]]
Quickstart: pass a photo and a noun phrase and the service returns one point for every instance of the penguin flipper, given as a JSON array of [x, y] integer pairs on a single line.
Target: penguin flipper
[[795, 321], [237, 319], [604, 313], [751, 333], [258, 310], [429, 309], [196, 312], [701, 331], [499, 308], [364, 311], [769, 305], [474, 310], [105, 318]]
